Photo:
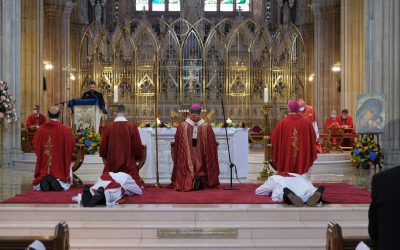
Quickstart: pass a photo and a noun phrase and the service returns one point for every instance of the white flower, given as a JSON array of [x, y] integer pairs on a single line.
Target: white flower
[[229, 121]]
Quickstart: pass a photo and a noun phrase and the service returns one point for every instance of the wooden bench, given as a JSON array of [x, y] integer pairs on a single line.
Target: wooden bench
[[336, 241], [60, 240]]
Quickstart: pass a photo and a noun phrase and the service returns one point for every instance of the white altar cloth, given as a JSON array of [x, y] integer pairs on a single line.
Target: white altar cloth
[[238, 144]]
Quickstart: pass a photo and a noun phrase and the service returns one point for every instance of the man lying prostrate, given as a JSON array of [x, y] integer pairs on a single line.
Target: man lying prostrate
[[291, 188], [109, 190]]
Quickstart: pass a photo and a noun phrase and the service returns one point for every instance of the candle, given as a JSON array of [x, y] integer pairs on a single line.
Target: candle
[[266, 95], [115, 93]]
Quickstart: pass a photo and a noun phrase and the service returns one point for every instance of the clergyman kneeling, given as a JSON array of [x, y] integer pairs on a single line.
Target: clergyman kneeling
[[109, 190], [293, 189]]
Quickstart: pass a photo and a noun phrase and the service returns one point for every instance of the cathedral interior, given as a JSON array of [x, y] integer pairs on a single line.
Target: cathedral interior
[[159, 56]]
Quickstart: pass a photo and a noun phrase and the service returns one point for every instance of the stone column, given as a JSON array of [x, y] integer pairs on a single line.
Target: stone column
[[382, 67], [10, 47], [57, 50], [352, 53], [31, 56], [326, 53]]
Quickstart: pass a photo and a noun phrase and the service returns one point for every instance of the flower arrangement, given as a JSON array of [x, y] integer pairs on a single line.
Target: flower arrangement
[[89, 138], [366, 152], [7, 104]]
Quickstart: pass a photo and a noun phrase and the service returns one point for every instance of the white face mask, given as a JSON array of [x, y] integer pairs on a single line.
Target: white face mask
[[344, 116], [302, 108], [333, 116], [35, 111]]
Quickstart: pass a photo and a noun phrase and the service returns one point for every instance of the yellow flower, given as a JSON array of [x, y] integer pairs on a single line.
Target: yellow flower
[[366, 147], [93, 144], [358, 145], [80, 141]]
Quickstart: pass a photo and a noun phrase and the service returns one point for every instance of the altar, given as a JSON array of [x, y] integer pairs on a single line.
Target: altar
[[238, 144]]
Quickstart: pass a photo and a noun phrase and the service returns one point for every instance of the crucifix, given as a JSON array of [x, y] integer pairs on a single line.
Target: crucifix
[[48, 152]]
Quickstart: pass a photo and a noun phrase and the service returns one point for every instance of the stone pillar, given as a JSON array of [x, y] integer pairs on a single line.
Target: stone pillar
[[31, 56], [326, 53], [352, 53], [57, 50], [382, 67], [10, 47]]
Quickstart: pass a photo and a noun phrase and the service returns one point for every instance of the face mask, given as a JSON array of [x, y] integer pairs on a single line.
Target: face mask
[[35, 111], [344, 116], [302, 108], [333, 116]]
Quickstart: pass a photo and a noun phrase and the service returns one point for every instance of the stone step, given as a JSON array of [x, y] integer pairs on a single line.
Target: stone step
[[194, 244], [184, 229], [224, 212]]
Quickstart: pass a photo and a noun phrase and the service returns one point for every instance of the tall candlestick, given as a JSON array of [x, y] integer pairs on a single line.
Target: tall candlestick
[[115, 93], [266, 95]]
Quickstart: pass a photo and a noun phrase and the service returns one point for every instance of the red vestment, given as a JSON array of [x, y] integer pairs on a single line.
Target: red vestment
[[293, 144], [189, 161], [345, 122], [54, 145], [34, 121], [121, 147], [348, 123], [309, 113], [330, 123]]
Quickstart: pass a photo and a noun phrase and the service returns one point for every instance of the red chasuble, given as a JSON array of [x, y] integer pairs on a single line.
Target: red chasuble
[[189, 161], [34, 120], [309, 113], [293, 144], [54, 145], [121, 147]]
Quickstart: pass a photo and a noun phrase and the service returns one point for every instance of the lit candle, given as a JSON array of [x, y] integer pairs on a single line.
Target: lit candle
[[115, 93], [266, 95]]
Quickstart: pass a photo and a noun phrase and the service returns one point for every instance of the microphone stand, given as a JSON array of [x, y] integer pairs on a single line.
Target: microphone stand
[[231, 164]]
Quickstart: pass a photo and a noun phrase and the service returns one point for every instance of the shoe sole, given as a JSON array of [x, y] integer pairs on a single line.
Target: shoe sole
[[314, 199], [295, 200]]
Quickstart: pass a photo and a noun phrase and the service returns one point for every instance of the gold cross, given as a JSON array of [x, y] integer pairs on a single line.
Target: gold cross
[[48, 152]]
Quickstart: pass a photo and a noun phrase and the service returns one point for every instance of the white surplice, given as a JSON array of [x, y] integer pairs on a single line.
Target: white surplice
[[299, 184]]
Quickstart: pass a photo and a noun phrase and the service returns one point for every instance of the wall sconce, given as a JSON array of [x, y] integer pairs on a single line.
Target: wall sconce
[[47, 65], [311, 77], [336, 67]]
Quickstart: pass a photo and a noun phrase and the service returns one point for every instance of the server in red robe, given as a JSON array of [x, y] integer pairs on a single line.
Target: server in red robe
[[36, 119], [195, 154], [307, 111], [121, 146], [346, 122], [54, 145], [332, 125], [293, 142]]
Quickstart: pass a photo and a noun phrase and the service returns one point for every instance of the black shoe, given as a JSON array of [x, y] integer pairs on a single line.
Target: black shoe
[[316, 197], [292, 197], [56, 186], [98, 198], [86, 195], [45, 184]]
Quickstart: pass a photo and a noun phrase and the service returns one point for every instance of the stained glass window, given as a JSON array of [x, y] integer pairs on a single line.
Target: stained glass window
[[158, 5], [244, 5], [210, 5], [140, 4], [174, 5], [226, 5]]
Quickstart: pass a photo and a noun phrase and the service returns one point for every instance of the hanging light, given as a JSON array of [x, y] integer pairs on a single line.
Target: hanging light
[[72, 76], [336, 67], [47, 65]]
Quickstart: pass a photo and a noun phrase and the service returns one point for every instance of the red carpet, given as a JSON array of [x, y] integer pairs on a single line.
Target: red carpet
[[337, 193]]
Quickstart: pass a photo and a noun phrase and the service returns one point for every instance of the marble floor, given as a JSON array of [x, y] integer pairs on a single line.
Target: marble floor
[[18, 178]]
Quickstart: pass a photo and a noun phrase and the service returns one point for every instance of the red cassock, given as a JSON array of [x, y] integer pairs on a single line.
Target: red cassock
[[54, 145], [34, 120], [330, 123], [309, 113], [121, 147], [293, 144], [189, 161]]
